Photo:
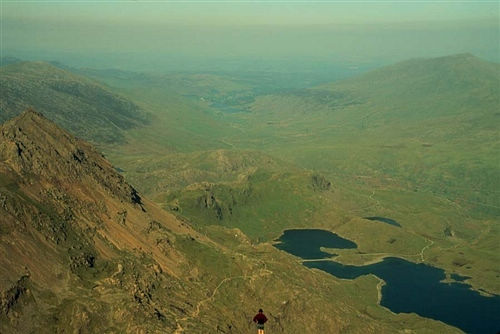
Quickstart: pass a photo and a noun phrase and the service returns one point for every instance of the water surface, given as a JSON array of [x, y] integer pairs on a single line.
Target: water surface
[[409, 287], [306, 243]]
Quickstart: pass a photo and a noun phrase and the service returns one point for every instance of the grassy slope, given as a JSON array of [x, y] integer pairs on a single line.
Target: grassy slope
[[126, 291], [430, 170], [417, 139], [429, 122]]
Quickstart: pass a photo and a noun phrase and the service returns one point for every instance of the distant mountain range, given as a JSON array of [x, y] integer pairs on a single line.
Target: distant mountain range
[[416, 89], [423, 88], [82, 106]]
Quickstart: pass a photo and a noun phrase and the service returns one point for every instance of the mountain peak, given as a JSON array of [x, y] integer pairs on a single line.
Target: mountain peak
[[31, 127], [35, 68], [464, 59], [464, 55], [35, 147], [29, 114]]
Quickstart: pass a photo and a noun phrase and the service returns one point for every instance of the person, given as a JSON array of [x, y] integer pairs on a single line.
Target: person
[[260, 319]]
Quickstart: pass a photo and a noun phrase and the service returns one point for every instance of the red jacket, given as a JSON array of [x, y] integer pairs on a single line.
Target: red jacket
[[260, 318]]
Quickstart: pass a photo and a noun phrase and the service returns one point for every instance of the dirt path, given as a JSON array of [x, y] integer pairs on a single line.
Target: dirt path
[[423, 249], [196, 312], [380, 285], [374, 205]]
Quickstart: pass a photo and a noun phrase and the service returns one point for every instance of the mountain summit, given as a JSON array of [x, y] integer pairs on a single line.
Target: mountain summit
[[33, 145]]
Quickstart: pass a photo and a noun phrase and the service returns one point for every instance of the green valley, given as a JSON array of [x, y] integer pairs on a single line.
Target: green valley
[[427, 163], [232, 180]]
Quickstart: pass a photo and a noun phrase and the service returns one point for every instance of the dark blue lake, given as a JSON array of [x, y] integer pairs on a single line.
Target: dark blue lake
[[306, 243], [410, 287]]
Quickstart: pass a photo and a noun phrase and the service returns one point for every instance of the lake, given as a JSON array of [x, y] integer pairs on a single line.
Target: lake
[[384, 220], [306, 243], [410, 287]]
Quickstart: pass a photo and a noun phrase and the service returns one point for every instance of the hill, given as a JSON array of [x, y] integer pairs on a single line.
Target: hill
[[83, 251], [428, 88], [248, 190], [81, 105], [413, 90]]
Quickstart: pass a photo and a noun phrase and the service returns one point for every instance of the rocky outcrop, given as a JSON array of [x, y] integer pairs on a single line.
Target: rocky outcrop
[[36, 148], [320, 183], [13, 295]]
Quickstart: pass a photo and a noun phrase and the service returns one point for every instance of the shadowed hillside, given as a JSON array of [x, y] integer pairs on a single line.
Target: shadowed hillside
[[84, 107]]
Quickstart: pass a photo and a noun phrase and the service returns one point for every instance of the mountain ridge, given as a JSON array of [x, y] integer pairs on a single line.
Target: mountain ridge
[[81, 105], [68, 218], [461, 80], [30, 138]]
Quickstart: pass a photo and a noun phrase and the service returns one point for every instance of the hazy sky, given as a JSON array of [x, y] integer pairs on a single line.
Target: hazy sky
[[107, 32], [249, 12]]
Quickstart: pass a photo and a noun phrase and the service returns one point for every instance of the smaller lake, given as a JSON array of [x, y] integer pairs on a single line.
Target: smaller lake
[[306, 243], [384, 220]]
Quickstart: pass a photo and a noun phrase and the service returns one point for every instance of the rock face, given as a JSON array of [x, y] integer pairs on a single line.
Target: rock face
[[36, 148], [320, 183]]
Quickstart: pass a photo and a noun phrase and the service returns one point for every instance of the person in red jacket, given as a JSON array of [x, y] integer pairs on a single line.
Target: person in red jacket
[[260, 319]]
